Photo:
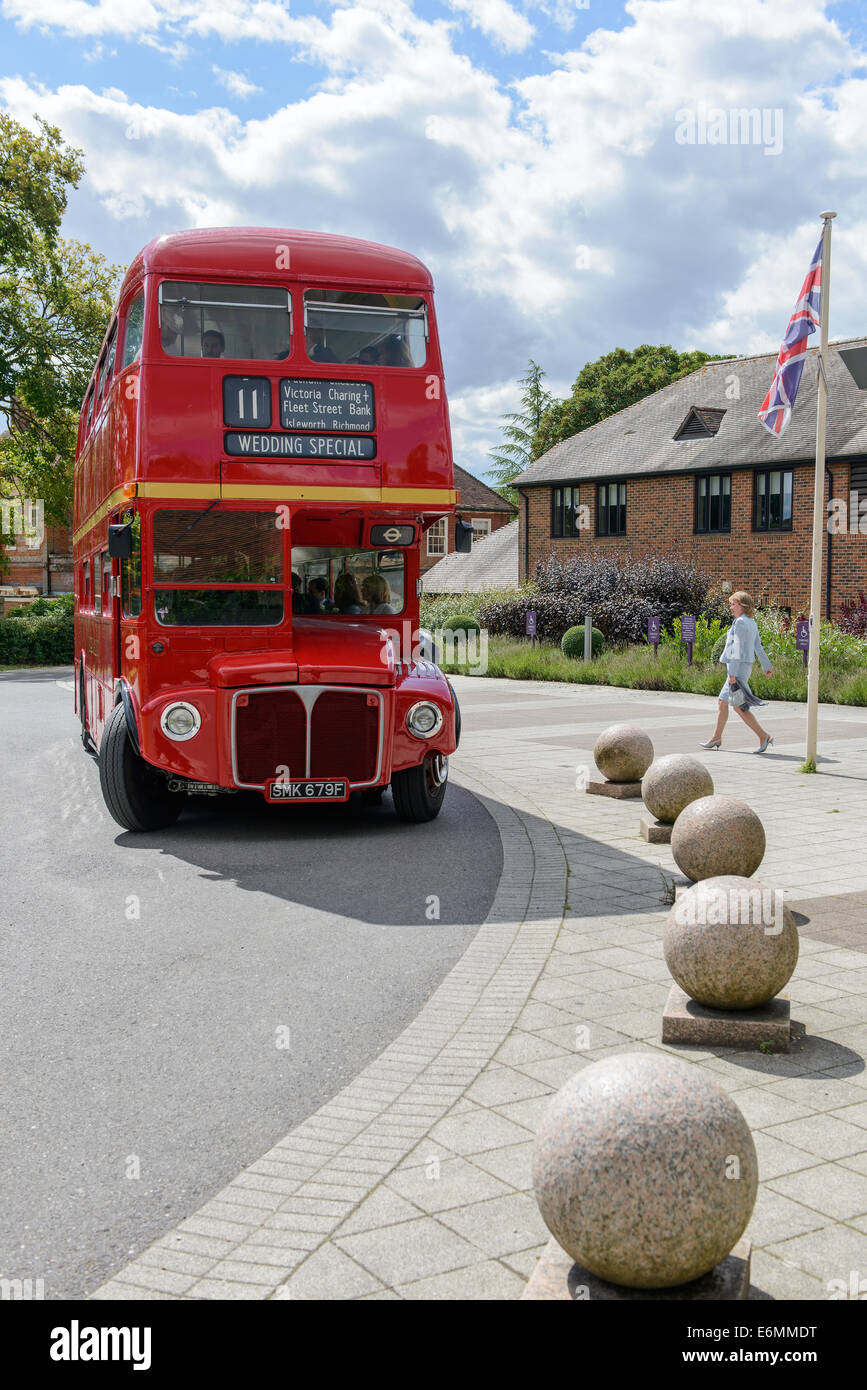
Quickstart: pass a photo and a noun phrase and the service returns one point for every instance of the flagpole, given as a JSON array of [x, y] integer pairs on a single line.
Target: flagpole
[[818, 501]]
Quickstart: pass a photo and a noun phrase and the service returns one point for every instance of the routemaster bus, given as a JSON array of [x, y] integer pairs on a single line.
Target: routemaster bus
[[263, 443]]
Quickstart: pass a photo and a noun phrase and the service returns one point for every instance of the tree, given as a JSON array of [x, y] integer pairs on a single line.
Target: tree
[[519, 430], [55, 301], [617, 380]]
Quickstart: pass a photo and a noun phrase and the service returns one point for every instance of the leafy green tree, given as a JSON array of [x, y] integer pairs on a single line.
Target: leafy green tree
[[55, 301], [617, 380], [515, 454]]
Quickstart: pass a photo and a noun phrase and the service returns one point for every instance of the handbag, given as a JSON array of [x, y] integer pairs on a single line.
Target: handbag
[[737, 697]]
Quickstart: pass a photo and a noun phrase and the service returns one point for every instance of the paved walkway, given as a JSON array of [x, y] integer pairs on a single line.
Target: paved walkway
[[414, 1181]]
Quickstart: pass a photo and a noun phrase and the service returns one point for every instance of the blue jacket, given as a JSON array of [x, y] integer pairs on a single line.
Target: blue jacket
[[743, 646]]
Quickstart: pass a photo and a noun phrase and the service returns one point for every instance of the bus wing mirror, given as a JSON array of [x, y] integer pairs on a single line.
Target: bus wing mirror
[[463, 537], [120, 541]]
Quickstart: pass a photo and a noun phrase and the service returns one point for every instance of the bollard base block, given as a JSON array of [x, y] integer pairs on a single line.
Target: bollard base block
[[766, 1028], [656, 832], [557, 1277], [618, 789]]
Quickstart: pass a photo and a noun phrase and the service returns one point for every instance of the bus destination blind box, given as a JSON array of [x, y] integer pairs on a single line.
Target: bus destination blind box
[[120, 542]]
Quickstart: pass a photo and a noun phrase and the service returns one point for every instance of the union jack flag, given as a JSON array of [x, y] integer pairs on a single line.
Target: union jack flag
[[776, 409]]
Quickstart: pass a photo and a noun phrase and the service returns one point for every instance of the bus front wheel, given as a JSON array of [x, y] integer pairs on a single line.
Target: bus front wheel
[[134, 792], [418, 792]]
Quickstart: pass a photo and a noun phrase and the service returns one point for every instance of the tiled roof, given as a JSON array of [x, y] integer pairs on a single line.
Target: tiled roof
[[640, 439], [476, 496], [491, 564]]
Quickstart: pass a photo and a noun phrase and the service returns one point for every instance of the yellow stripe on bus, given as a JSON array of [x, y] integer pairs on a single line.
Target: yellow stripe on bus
[[269, 492]]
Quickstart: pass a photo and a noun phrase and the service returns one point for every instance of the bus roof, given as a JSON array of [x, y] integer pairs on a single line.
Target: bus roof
[[260, 252]]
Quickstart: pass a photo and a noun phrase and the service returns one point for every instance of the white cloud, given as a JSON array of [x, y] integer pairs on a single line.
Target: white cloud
[[501, 22], [498, 186], [235, 82]]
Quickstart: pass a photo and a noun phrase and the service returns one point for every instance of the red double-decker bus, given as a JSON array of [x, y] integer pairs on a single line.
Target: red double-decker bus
[[262, 445]]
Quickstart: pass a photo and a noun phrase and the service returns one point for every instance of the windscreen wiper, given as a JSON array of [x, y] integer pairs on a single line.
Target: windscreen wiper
[[189, 528]]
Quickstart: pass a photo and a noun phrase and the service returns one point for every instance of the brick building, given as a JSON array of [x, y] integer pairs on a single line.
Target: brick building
[[38, 562], [486, 509], [690, 470]]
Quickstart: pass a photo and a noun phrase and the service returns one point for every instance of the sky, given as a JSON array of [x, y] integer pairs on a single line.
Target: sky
[[577, 176]]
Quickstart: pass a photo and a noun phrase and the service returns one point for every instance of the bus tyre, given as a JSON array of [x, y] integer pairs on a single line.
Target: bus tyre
[[135, 793], [418, 792]]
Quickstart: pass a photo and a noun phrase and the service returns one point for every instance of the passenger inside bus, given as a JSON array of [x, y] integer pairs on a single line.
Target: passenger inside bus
[[213, 343], [347, 594], [376, 594], [317, 591]]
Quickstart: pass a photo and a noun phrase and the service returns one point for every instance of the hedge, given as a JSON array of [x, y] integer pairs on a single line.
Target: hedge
[[40, 640]]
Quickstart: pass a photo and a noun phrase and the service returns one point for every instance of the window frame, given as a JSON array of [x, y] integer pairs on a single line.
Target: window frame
[[558, 512], [710, 530], [438, 554], [484, 524], [621, 507], [785, 527], [216, 304], [135, 297]]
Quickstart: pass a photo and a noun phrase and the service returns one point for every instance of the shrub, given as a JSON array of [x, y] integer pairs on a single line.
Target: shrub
[[853, 616], [461, 622], [44, 607], [709, 635], [436, 608], [718, 647], [619, 591], [572, 643], [41, 640]]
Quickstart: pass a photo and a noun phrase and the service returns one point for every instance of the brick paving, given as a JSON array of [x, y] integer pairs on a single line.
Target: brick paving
[[414, 1181]]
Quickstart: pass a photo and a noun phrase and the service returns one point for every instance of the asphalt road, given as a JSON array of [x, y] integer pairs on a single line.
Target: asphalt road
[[171, 1004]]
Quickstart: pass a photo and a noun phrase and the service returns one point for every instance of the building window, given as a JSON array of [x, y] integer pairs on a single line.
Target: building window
[[437, 537], [564, 511], [481, 528], [611, 509], [713, 503], [772, 509]]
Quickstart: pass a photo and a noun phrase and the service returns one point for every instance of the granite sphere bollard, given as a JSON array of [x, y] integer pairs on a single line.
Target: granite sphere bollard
[[717, 835], [671, 783], [731, 943], [623, 753], [645, 1170]]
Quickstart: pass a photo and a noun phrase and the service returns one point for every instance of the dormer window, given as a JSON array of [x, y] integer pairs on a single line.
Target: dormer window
[[701, 423]]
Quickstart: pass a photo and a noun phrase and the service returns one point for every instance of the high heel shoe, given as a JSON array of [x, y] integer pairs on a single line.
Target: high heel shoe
[[712, 743], [763, 746]]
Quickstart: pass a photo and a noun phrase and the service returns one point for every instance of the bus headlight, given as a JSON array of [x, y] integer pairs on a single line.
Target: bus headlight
[[425, 719], [180, 721]]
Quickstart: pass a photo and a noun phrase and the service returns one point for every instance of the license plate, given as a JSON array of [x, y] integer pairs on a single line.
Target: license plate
[[333, 789]]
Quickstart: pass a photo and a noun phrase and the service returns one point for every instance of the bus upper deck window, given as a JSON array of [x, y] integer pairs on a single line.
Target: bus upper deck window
[[365, 330], [230, 321], [134, 331], [90, 399]]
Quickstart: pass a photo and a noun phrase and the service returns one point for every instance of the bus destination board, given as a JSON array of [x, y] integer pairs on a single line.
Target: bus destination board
[[309, 404], [273, 444]]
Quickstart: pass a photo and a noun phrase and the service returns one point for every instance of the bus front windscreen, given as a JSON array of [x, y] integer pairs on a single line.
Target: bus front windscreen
[[216, 568], [340, 581]]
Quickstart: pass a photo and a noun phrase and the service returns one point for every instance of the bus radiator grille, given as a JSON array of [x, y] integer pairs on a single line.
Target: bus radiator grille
[[270, 736], [344, 739]]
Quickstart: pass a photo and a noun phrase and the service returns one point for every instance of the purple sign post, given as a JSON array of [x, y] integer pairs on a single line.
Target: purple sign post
[[654, 628], [687, 635], [531, 626], [802, 636]]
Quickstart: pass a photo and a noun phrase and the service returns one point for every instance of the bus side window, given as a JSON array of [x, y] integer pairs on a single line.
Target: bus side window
[[106, 582], [85, 586], [97, 591], [131, 574], [109, 361], [90, 401], [134, 331]]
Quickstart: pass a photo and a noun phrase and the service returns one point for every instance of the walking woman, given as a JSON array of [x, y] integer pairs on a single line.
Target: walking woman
[[743, 646]]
